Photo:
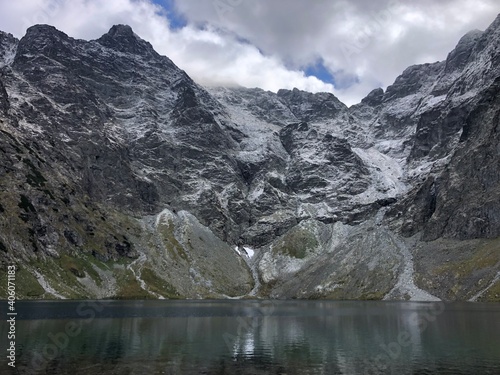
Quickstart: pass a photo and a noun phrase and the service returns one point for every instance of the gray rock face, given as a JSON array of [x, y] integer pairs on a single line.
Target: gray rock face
[[134, 181], [467, 200], [461, 55], [8, 46], [310, 107]]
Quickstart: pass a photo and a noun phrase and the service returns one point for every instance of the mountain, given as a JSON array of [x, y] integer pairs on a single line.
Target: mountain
[[123, 178]]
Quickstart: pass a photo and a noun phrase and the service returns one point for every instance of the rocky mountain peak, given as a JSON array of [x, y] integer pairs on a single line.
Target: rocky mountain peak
[[42, 35], [43, 40], [413, 79], [7, 37], [123, 39], [374, 97], [308, 106], [460, 55], [471, 36], [109, 152], [43, 29], [495, 24], [122, 31], [8, 46]]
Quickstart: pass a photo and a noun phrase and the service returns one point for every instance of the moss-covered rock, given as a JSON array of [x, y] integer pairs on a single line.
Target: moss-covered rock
[[296, 243]]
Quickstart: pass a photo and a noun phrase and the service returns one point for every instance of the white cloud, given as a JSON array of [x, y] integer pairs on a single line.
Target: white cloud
[[373, 40], [209, 56], [214, 58], [370, 41]]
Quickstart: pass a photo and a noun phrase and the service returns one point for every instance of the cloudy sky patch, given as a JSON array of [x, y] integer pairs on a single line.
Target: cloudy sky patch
[[344, 47]]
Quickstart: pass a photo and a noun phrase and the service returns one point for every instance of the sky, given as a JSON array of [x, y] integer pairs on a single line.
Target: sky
[[345, 47]]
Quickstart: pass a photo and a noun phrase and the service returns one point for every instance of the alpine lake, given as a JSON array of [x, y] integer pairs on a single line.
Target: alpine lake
[[253, 337]]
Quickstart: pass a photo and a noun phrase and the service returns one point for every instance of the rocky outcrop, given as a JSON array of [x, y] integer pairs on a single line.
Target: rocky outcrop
[[8, 46], [121, 177], [468, 201]]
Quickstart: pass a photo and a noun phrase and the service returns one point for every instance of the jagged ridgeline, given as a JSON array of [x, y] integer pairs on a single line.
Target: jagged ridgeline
[[120, 177]]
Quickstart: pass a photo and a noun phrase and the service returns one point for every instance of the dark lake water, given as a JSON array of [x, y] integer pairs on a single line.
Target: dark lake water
[[253, 337]]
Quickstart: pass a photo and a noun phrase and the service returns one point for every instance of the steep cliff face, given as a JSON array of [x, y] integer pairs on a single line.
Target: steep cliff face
[[121, 177], [98, 136]]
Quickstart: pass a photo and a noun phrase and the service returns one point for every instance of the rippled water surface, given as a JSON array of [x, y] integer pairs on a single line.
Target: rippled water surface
[[254, 337]]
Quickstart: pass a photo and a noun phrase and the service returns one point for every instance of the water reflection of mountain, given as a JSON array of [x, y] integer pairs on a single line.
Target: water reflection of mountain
[[285, 338]]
